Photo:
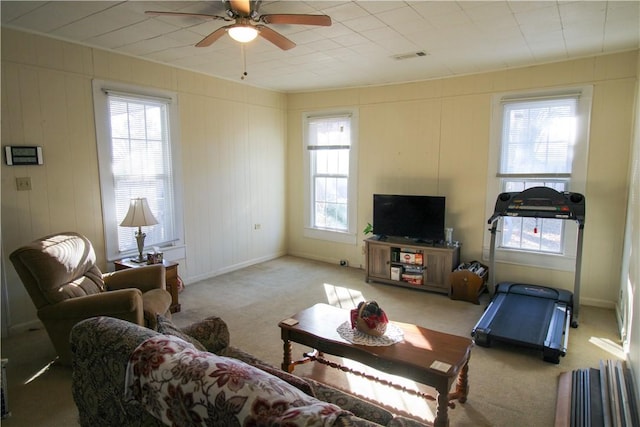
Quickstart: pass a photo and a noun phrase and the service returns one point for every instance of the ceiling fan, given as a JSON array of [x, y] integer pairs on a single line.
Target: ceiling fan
[[247, 23]]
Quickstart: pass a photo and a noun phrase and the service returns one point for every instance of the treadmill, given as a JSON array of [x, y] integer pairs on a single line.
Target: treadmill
[[529, 315]]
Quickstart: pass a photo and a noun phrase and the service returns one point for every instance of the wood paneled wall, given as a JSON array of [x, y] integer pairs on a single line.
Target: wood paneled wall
[[233, 149]]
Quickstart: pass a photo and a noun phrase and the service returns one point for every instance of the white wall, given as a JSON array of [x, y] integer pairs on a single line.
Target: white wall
[[629, 305], [432, 138], [233, 143]]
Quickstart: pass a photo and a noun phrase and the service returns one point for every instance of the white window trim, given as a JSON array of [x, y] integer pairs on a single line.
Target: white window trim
[[567, 259], [349, 236], [176, 249]]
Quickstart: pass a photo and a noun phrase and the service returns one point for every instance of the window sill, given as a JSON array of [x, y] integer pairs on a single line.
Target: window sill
[[329, 235], [533, 259]]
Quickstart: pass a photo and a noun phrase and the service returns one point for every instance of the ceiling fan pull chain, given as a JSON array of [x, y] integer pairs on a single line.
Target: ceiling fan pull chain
[[244, 62]]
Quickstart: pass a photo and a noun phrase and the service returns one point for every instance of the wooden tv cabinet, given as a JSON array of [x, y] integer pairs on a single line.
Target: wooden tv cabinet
[[403, 262]]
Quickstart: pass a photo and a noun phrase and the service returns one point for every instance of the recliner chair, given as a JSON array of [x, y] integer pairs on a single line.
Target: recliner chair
[[60, 273]]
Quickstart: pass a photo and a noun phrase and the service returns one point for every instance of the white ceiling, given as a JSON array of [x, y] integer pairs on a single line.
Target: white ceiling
[[459, 37]]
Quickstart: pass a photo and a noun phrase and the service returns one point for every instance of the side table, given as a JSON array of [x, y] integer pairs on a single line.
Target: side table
[[171, 269]]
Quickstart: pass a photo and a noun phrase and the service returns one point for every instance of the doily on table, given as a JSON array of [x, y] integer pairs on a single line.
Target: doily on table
[[392, 335]]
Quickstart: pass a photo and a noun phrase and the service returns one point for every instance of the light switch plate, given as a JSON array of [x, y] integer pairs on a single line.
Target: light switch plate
[[23, 183]]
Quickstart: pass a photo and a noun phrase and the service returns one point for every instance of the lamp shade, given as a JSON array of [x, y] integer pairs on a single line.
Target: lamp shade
[[138, 214], [243, 33]]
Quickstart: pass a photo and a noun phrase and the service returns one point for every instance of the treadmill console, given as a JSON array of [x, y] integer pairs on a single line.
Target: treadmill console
[[540, 202]]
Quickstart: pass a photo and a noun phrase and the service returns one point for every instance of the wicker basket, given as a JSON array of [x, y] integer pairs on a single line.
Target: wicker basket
[[378, 330]]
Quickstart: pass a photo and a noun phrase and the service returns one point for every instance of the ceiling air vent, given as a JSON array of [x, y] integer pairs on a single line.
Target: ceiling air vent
[[410, 55]]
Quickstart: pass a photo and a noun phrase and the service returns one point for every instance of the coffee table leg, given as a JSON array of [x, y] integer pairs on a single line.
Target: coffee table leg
[[462, 390], [442, 415], [462, 385], [287, 365]]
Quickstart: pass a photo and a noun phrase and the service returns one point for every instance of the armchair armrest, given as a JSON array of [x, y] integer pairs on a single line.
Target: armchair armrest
[[145, 278], [124, 304]]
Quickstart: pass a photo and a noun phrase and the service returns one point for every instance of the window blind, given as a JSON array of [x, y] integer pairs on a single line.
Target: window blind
[[141, 164], [538, 137], [329, 133]]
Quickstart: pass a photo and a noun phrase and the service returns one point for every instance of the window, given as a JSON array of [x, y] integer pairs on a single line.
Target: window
[[539, 140], [137, 159], [330, 163]]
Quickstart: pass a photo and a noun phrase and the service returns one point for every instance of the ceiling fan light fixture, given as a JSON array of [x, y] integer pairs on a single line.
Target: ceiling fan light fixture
[[243, 33]]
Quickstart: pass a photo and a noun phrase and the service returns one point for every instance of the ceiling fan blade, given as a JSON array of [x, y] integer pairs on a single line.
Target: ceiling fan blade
[[243, 7], [288, 18], [274, 37], [207, 41], [190, 15]]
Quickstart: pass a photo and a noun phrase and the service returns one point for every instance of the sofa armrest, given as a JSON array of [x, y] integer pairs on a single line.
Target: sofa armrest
[[211, 332], [364, 413], [361, 408], [101, 348], [145, 278], [125, 304], [296, 381]]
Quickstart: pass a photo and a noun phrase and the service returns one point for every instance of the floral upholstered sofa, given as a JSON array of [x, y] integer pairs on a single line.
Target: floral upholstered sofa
[[127, 375]]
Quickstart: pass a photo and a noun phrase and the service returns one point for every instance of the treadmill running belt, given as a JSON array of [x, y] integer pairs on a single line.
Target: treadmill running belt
[[523, 319]]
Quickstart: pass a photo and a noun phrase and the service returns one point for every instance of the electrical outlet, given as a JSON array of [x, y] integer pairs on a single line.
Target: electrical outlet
[[23, 184]]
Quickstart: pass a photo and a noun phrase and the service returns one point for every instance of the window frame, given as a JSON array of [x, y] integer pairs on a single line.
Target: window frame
[[349, 236], [174, 248], [565, 260]]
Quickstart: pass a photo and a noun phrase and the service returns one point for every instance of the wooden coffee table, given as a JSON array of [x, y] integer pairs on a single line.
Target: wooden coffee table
[[428, 357]]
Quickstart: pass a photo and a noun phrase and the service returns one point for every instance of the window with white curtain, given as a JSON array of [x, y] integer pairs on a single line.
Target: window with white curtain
[[540, 139], [137, 157], [330, 163]]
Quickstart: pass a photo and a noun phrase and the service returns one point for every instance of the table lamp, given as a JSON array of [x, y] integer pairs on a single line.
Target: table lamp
[[139, 215]]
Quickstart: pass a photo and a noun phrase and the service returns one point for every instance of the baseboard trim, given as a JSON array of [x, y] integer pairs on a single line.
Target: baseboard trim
[[335, 261], [228, 269], [25, 327], [594, 302]]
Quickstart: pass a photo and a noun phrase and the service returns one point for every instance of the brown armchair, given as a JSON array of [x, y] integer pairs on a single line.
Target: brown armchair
[[60, 273]]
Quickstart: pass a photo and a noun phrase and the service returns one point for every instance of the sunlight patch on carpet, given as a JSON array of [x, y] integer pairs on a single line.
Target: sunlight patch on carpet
[[609, 346]]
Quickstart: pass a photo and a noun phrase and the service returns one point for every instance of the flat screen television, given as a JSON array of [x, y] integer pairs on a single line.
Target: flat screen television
[[416, 217]]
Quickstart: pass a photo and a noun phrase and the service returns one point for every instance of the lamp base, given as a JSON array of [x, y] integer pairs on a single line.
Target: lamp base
[[138, 260], [140, 241]]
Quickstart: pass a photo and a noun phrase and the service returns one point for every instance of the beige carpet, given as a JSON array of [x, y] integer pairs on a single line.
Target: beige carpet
[[509, 386]]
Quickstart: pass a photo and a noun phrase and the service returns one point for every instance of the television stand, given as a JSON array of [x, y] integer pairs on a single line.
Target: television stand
[[425, 242], [404, 262]]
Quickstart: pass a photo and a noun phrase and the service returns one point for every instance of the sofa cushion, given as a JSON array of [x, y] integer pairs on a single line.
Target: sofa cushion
[[166, 326], [183, 386]]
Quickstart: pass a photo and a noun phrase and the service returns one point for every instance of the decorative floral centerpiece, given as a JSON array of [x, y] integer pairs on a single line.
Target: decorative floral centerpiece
[[369, 318]]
